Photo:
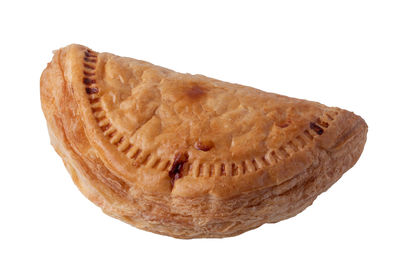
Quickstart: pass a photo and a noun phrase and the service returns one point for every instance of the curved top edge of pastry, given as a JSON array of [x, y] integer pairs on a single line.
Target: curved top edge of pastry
[[190, 135]]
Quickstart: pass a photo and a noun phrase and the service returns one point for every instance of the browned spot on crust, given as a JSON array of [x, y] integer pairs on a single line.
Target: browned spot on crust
[[223, 173], [90, 54], [195, 92], [322, 123], [88, 66], [119, 141], [177, 167], [316, 128], [88, 81], [105, 127], [204, 145], [283, 125], [90, 91], [89, 60], [88, 73]]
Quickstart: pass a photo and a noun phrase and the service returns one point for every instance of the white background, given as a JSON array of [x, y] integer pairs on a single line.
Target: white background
[[340, 53]]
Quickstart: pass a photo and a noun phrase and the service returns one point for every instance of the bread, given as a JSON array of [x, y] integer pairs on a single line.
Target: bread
[[186, 155]]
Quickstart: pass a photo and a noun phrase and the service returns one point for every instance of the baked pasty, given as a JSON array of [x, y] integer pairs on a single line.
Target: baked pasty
[[186, 155]]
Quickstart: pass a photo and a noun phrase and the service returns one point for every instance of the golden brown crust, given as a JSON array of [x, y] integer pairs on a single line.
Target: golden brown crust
[[186, 155]]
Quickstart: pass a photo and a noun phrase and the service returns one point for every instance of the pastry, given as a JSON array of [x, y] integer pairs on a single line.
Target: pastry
[[186, 155]]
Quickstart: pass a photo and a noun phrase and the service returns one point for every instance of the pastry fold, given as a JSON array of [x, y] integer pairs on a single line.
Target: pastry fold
[[186, 155]]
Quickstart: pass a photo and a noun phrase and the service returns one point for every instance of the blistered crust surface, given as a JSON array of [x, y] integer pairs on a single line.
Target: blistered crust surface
[[165, 111]]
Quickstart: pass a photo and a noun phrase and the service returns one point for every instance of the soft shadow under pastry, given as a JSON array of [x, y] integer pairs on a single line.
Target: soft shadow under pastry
[[186, 155]]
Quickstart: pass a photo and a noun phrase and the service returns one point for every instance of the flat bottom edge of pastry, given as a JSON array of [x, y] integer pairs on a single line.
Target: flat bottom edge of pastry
[[190, 156]]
